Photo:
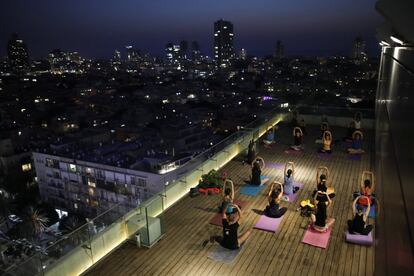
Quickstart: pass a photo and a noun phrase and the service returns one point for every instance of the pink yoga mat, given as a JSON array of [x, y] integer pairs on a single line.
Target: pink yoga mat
[[293, 152], [217, 219], [292, 197], [277, 166], [316, 238], [268, 224]]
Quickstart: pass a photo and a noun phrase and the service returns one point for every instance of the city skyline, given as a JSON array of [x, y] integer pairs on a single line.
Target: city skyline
[[97, 32]]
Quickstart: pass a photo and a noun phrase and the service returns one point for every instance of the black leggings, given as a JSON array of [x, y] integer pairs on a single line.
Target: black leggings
[[365, 231], [275, 214]]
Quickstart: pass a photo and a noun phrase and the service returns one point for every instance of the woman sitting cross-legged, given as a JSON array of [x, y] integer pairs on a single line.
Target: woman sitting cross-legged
[[326, 142], [320, 220], [359, 223], [322, 175], [257, 166], [356, 147], [297, 139], [273, 210], [270, 137], [288, 187], [367, 186], [230, 220]]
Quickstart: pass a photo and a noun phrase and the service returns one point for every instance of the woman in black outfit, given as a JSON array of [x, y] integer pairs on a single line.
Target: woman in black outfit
[[230, 238], [257, 171], [273, 210], [320, 220], [358, 223], [321, 184]]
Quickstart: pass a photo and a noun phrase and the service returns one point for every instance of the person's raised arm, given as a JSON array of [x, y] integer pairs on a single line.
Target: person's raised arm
[[223, 214], [329, 199], [327, 173], [372, 177], [224, 188], [317, 177], [367, 210], [261, 160], [315, 201], [271, 189], [281, 191], [232, 191], [238, 210], [293, 167], [354, 205], [286, 168]]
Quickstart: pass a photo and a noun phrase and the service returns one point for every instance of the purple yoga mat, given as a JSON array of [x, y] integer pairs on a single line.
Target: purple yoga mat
[[292, 197], [324, 155], [317, 239], [277, 166], [359, 239], [354, 157], [293, 152], [268, 224]]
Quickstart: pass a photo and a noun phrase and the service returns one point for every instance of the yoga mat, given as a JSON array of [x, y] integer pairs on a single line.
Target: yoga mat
[[324, 155], [359, 239], [292, 197], [293, 152], [277, 166], [268, 224], [224, 255], [354, 157], [317, 239], [218, 219], [251, 190]]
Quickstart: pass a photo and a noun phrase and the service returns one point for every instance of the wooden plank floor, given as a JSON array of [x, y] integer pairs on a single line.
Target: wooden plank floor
[[180, 251]]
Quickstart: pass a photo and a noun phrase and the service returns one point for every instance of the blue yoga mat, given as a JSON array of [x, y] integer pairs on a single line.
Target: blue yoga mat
[[251, 190], [221, 254]]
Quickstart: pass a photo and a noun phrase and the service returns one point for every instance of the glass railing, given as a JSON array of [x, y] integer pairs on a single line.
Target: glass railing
[[79, 250]]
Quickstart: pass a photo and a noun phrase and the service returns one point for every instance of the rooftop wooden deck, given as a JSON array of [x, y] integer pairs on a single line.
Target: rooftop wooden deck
[[187, 225]]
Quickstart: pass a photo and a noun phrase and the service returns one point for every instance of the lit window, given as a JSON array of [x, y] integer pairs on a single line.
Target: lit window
[[26, 167], [72, 167], [91, 182]]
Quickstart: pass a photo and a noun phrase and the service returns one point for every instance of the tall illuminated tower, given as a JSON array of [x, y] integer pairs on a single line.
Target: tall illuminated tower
[[223, 43]]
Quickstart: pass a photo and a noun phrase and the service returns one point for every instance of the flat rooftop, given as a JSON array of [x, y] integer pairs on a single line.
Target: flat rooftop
[[180, 252]]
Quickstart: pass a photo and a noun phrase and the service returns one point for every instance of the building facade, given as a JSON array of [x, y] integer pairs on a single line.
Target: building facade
[[223, 43], [91, 188], [17, 54]]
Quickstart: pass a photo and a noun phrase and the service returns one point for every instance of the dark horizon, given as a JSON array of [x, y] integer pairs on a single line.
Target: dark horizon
[[96, 28]]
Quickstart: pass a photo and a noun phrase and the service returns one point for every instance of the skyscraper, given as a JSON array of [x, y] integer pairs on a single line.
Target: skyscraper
[[358, 50], [117, 56], [279, 50], [183, 49], [132, 55], [17, 54], [195, 51], [223, 43], [243, 54]]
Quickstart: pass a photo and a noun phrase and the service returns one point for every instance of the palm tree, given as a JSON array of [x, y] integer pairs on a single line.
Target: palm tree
[[34, 222]]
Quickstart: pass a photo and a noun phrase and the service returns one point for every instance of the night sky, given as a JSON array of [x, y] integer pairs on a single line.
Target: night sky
[[95, 28]]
